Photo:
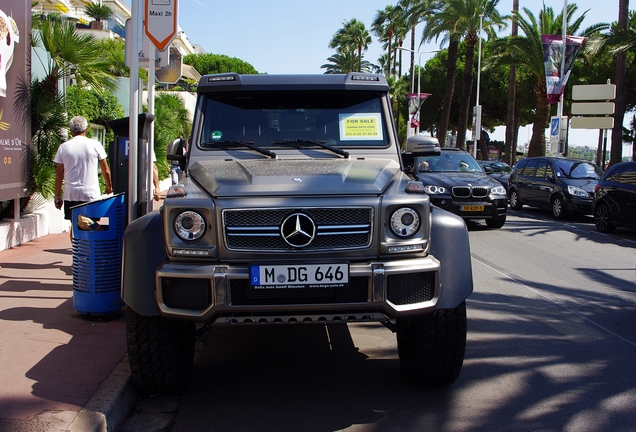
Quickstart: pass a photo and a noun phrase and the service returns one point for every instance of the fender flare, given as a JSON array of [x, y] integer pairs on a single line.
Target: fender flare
[[143, 250], [450, 245]]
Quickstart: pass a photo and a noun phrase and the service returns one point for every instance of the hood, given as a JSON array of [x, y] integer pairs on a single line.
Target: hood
[[255, 177], [588, 185], [451, 179]]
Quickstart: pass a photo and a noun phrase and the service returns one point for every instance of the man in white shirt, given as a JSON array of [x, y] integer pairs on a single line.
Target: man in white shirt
[[76, 164]]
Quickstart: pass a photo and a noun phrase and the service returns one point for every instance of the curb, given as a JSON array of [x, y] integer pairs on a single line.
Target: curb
[[109, 406]]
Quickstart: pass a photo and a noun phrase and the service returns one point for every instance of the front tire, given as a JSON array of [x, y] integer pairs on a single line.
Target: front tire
[[160, 352], [431, 347], [558, 208], [513, 199], [496, 222], [603, 218]]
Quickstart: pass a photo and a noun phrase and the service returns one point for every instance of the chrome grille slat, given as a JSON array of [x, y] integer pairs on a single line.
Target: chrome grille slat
[[470, 191], [336, 228]]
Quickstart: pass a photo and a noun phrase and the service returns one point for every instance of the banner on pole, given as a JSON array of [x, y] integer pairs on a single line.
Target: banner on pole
[[552, 55], [415, 103]]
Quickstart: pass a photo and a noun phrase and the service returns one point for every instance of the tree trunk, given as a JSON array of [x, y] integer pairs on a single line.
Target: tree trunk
[[467, 89], [451, 73], [541, 118], [616, 153]]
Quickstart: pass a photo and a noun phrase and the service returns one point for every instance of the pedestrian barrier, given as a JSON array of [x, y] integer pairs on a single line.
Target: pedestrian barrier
[[97, 237]]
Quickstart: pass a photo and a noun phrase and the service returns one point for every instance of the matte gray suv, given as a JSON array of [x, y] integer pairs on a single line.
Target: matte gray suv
[[296, 207]]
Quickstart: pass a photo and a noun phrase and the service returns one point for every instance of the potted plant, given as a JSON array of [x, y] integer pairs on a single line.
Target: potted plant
[[98, 12]]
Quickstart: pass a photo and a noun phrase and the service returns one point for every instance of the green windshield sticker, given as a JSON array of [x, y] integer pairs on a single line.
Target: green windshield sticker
[[217, 135], [357, 127]]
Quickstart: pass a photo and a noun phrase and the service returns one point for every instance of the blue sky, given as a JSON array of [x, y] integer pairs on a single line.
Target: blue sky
[[292, 36]]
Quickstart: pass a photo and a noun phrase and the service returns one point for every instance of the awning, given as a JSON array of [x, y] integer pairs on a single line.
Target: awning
[[190, 72]]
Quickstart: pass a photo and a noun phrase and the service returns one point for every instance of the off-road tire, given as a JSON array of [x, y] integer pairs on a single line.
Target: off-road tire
[[603, 218], [558, 208], [431, 347], [160, 352], [496, 222], [513, 199]]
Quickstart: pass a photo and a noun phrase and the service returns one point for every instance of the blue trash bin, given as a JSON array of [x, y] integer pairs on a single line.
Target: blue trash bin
[[98, 233]]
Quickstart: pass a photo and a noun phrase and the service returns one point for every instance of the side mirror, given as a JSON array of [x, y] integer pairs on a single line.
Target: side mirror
[[174, 152], [488, 169]]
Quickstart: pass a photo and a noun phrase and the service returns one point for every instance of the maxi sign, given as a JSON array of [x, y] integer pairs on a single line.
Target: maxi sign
[[160, 19], [15, 77]]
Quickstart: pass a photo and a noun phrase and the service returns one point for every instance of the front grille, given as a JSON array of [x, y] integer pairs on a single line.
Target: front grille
[[470, 191], [410, 288], [243, 294], [186, 293], [336, 229]]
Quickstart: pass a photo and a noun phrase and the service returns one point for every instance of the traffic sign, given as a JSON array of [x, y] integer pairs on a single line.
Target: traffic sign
[[592, 123], [160, 22], [594, 92], [171, 73], [591, 108]]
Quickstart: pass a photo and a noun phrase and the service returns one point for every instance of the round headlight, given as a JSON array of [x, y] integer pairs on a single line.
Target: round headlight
[[189, 225], [405, 222], [434, 190]]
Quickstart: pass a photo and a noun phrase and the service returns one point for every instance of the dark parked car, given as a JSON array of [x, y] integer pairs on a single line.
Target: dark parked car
[[498, 170], [563, 185], [615, 198], [455, 182]]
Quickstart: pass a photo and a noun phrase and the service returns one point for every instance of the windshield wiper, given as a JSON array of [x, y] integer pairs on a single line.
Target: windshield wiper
[[247, 144], [318, 143]]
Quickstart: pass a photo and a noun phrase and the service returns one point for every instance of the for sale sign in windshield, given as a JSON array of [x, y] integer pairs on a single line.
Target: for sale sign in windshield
[[15, 79]]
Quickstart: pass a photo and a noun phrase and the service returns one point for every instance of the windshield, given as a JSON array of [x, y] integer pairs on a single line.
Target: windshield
[[500, 168], [278, 119], [577, 170], [448, 162]]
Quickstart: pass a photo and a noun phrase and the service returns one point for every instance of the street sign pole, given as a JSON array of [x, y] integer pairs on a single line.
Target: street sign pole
[[133, 126]]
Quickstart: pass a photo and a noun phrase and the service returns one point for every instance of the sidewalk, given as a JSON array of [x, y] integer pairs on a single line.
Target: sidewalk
[[59, 370]]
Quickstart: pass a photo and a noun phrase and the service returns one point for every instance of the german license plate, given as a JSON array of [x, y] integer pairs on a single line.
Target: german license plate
[[471, 208], [299, 276]]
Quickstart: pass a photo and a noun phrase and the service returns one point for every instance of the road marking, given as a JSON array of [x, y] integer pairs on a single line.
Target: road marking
[[555, 302]]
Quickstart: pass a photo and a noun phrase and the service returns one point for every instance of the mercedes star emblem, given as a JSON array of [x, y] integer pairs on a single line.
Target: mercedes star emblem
[[298, 230]]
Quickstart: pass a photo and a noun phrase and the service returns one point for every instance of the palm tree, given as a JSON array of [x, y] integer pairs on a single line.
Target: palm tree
[[468, 16], [352, 37], [434, 28], [98, 12], [527, 51], [342, 63], [74, 54], [383, 26], [415, 12], [171, 121]]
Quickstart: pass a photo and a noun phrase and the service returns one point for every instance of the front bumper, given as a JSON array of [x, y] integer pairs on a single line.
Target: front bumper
[[581, 205], [221, 294], [493, 209]]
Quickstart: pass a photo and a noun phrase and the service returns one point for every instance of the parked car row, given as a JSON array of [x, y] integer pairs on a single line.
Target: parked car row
[[456, 182]]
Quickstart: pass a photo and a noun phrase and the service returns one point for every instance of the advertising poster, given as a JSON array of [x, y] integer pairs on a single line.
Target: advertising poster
[[15, 79], [415, 103], [552, 55]]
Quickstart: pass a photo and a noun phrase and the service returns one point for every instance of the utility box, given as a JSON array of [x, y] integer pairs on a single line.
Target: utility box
[[97, 237], [118, 153]]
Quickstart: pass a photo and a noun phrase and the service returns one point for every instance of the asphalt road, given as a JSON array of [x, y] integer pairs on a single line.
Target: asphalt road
[[551, 347]]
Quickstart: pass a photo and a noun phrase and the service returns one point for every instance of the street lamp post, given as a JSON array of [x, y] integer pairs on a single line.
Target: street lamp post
[[477, 106], [419, 68]]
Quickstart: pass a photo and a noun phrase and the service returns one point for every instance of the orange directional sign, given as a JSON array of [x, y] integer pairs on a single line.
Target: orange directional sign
[[160, 22]]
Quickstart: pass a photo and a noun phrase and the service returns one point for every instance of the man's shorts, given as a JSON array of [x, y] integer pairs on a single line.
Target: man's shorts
[[68, 214]]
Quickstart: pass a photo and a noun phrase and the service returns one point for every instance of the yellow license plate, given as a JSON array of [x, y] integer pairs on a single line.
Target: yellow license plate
[[471, 208]]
